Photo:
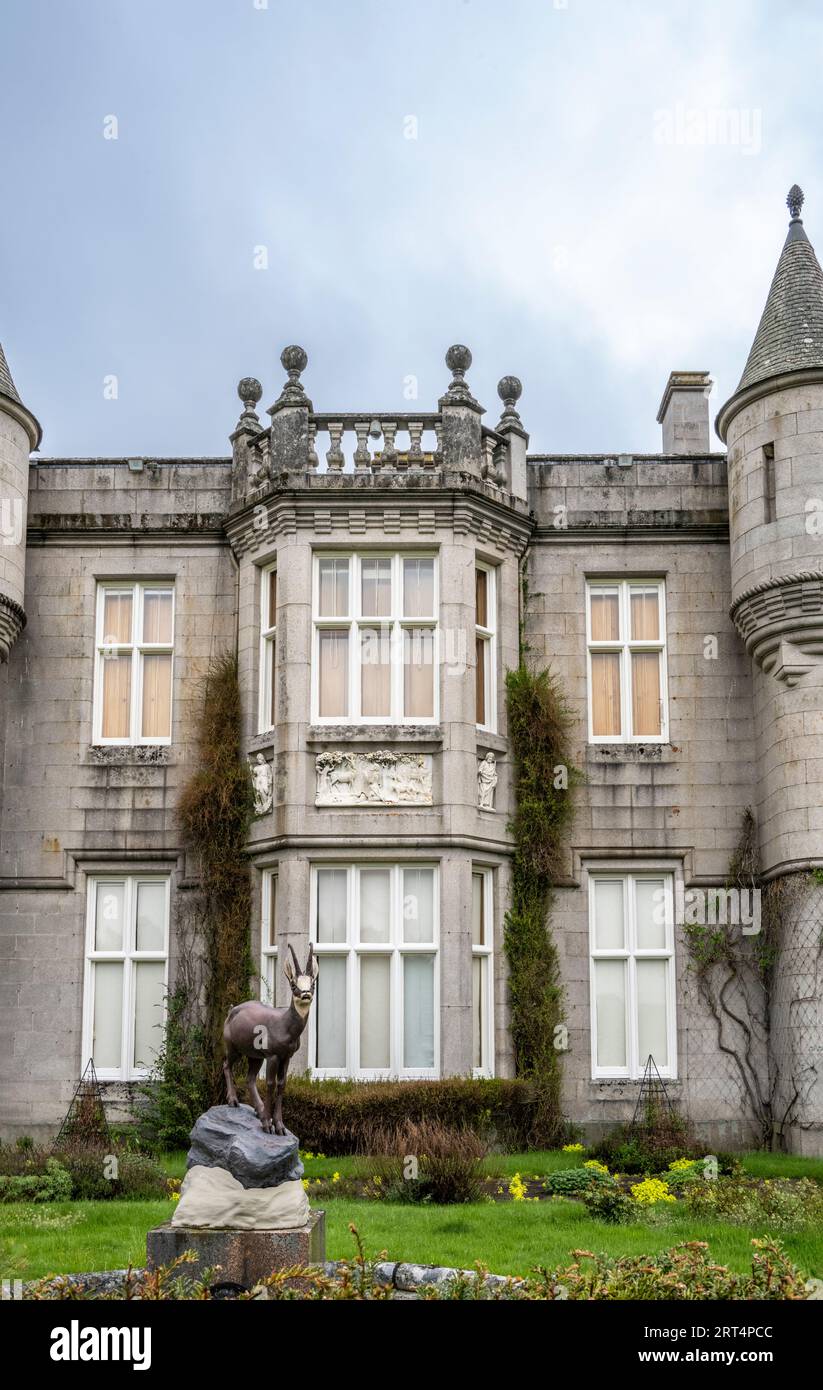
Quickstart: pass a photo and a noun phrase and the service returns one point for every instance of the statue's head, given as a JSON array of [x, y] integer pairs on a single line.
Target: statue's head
[[302, 981]]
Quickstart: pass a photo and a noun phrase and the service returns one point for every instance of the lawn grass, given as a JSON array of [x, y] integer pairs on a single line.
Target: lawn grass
[[537, 1162], [509, 1238]]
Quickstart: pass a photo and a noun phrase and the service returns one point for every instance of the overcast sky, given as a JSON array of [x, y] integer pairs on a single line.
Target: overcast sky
[[587, 194]]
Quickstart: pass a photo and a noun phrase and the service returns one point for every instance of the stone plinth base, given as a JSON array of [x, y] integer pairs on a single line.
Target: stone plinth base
[[244, 1257]]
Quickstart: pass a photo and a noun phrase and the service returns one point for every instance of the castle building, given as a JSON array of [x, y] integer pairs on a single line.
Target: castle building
[[373, 571]]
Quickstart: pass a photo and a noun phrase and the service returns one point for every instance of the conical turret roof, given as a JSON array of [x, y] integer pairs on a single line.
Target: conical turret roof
[[7, 386], [789, 337]]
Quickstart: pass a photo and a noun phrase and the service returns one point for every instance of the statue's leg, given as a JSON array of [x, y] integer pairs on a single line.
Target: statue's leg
[[253, 1095], [282, 1073], [271, 1082], [229, 1059]]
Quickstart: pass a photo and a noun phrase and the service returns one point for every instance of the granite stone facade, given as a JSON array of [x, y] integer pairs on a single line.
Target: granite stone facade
[[724, 539]]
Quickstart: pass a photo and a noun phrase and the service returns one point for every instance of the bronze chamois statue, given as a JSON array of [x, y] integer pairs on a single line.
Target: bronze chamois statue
[[263, 1034]]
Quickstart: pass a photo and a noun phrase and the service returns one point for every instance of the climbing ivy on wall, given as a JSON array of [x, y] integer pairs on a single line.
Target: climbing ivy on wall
[[212, 928], [539, 734]]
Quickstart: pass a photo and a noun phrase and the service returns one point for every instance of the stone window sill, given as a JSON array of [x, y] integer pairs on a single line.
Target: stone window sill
[[130, 755], [631, 752], [374, 733], [618, 1088]]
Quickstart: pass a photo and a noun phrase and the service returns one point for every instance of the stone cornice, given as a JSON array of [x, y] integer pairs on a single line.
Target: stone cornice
[[12, 622], [781, 622], [366, 508]]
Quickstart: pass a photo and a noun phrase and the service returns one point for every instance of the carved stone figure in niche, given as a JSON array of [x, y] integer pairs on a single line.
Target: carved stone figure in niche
[[486, 782], [263, 783]]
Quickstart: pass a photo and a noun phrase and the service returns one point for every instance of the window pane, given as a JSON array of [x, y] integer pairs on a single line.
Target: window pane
[[156, 695], [272, 933], [334, 588], [652, 1032], [605, 693], [418, 1011], [645, 611], [334, 674], [331, 1012], [271, 613], [481, 597], [331, 904], [375, 974], [650, 911], [151, 917], [478, 910], [157, 616], [646, 693], [605, 616], [478, 1008], [418, 672], [271, 655], [610, 997], [375, 588], [117, 610], [418, 588], [108, 1014], [481, 644], [375, 672], [109, 917], [609, 932], [418, 905], [375, 889], [149, 996], [116, 721]]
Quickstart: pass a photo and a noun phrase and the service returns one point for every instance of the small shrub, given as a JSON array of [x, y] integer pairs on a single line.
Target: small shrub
[[782, 1205], [571, 1182], [635, 1149], [606, 1201], [650, 1191], [53, 1184], [448, 1163]]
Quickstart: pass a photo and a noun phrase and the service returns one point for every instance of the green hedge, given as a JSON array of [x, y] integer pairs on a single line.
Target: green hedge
[[40, 1175], [338, 1117]]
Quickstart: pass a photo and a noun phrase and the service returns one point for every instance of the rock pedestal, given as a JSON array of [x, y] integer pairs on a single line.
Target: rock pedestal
[[242, 1204], [243, 1257]]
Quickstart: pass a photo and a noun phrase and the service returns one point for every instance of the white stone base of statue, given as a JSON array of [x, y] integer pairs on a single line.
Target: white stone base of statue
[[212, 1197]]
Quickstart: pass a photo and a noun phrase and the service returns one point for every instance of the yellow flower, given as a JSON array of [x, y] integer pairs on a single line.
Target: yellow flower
[[594, 1164], [682, 1165], [573, 1148], [652, 1190], [305, 1183], [517, 1188], [175, 1196], [335, 1177]]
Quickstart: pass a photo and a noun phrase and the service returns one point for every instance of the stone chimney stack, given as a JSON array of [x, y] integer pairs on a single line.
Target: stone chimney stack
[[684, 413]]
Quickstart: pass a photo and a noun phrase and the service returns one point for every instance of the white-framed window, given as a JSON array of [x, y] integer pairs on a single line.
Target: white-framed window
[[482, 972], [631, 925], [375, 932], [127, 947], [268, 938], [268, 649], [135, 657], [375, 657], [626, 638], [485, 620]]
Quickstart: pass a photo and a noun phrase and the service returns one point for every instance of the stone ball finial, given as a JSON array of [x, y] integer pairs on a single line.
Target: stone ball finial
[[795, 201], [295, 360], [458, 360], [249, 390], [509, 389]]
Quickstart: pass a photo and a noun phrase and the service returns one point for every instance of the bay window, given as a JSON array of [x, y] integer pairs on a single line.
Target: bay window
[[135, 653], [375, 934], [124, 1001], [631, 924], [375, 639], [626, 630]]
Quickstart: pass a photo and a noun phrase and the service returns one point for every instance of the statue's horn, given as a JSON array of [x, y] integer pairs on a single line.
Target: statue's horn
[[297, 969]]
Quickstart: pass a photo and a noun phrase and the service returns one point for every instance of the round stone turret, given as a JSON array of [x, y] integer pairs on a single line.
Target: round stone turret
[[19, 434]]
